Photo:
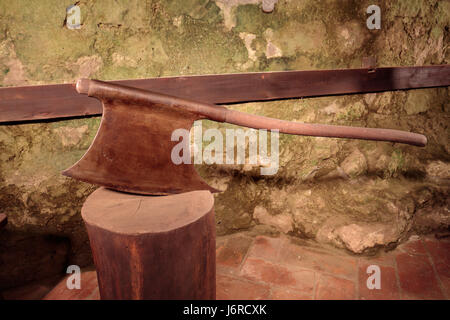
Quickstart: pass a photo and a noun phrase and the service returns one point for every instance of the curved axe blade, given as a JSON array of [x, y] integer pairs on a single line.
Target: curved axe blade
[[131, 151]]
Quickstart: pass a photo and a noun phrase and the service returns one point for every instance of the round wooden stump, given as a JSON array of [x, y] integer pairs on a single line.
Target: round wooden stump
[[152, 247]]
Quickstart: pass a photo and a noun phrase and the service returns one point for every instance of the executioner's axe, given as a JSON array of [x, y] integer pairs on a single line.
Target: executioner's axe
[[132, 149]]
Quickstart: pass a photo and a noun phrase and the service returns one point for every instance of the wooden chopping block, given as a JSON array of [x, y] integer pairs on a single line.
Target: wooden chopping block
[[152, 247]]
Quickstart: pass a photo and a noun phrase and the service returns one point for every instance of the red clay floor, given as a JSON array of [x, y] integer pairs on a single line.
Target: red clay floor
[[262, 267]]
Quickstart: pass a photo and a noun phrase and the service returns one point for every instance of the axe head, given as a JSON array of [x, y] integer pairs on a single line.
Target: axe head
[[132, 149]]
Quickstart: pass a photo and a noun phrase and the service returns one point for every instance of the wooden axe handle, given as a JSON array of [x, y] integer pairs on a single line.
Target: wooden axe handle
[[108, 91], [323, 130]]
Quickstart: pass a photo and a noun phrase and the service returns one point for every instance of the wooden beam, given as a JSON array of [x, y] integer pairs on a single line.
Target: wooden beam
[[62, 101]]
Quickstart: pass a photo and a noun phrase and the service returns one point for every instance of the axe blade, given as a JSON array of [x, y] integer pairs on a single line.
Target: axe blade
[[132, 151]]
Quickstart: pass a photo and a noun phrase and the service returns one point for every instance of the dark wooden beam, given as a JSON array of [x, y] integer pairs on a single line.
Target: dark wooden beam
[[62, 101]]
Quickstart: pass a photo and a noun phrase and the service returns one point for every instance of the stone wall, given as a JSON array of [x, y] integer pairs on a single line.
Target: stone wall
[[357, 195]]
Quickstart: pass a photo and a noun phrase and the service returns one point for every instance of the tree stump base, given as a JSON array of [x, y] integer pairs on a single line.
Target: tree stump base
[[152, 247]]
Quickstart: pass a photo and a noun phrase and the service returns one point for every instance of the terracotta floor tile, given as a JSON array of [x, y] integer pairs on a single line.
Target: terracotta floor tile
[[332, 288], [89, 287], [413, 247], [261, 270], [439, 251], [440, 254], [382, 259], [229, 288], [220, 242], [417, 277], [266, 248], [388, 281], [276, 268], [282, 293], [232, 251], [339, 265]]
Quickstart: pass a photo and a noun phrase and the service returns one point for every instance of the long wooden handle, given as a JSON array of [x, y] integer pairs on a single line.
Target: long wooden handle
[[105, 90], [323, 130]]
